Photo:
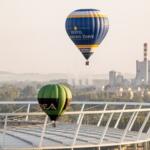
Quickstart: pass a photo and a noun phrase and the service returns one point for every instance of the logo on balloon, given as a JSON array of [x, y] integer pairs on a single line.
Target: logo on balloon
[[52, 107], [75, 28]]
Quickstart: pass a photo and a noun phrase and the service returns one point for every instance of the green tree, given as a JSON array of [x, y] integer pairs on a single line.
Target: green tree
[[28, 91], [9, 92]]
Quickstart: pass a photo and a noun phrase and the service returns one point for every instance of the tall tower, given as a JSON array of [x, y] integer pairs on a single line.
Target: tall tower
[[145, 51], [145, 64]]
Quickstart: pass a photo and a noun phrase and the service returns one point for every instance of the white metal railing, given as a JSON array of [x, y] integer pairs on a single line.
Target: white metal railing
[[90, 108]]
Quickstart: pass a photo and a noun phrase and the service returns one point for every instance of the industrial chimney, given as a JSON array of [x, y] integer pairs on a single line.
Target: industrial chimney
[[145, 67], [145, 51]]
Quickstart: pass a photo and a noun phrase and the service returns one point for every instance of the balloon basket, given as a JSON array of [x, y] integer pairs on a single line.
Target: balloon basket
[[54, 124], [87, 63]]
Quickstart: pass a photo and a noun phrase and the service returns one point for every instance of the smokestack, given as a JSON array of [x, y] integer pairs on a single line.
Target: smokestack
[[145, 51]]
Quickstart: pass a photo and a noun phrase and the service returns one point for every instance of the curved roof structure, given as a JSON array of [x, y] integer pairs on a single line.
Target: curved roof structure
[[88, 124]]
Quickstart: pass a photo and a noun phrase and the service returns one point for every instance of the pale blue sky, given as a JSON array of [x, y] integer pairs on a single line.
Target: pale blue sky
[[33, 36]]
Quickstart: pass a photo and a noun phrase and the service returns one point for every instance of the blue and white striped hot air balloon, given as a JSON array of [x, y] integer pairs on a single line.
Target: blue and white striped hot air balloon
[[87, 28]]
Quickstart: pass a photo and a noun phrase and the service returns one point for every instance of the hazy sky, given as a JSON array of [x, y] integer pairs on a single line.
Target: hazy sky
[[33, 36]]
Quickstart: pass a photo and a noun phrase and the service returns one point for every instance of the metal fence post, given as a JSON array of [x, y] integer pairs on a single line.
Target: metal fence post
[[148, 132], [106, 128], [127, 127], [99, 148], [4, 130], [118, 120], [82, 108], [28, 110], [143, 125], [77, 130], [132, 123], [43, 131], [101, 117]]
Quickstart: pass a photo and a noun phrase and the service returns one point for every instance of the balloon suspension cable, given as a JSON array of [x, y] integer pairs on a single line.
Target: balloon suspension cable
[[53, 124], [87, 63]]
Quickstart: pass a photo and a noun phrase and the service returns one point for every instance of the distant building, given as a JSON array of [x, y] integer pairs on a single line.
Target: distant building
[[122, 87], [143, 69], [117, 79], [112, 78]]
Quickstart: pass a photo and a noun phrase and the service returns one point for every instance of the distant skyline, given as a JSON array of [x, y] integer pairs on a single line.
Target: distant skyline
[[33, 37]]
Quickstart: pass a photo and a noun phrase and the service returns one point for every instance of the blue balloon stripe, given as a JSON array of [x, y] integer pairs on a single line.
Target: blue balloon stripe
[[86, 10], [105, 28], [98, 27], [102, 30]]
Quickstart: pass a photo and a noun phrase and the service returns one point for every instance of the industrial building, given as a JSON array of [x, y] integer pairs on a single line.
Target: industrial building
[[143, 69], [142, 72]]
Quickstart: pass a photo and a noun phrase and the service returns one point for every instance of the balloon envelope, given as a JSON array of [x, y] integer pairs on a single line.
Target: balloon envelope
[[53, 99], [87, 28]]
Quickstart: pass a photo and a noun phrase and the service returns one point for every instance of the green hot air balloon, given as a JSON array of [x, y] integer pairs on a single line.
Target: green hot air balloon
[[53, 100]]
